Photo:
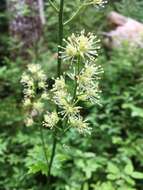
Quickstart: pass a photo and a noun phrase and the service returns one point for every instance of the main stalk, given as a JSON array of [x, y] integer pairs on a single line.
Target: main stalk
[[60, 37], [60, 40]]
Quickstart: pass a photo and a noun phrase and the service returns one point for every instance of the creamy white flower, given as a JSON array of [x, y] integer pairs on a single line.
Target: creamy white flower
[[70, 110], [70, 50], [59, 84], [42, 85], [40, 76], [34, 68], [87, 45], [29, 121], [80, 124], [28, 93], [84, 45], [60, 98], [63, 99], [45, 96], [59, 90], [27, 102], [88, 83], [92, 94], [33, 79], [50, 119], [38, 106], [89, 75], [27, 80]]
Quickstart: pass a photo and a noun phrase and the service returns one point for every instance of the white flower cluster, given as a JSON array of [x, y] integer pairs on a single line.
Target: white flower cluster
[[63, 99], [67, 107], [81, 45], [33, 80], [88, 83], [82, 49]]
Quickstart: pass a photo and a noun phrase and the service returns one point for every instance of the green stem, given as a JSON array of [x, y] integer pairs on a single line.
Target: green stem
[[60, 34], [43, 144], [76, 13], [76, 84], [52, 157], [60, 37], [75, 89]]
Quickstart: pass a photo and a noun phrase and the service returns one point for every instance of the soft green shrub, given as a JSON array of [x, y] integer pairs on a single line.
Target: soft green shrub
[[110, 159]]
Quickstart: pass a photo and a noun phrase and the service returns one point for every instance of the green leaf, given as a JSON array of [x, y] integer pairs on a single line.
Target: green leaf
[[126, 188], [135, 111], [112, 168], [106, 186], [129, 180], [103, 186], [112, 177], [85, 186], [38, 167], [129, 168], [137, 175]]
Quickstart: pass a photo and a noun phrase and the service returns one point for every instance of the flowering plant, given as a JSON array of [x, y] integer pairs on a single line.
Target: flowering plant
[[80, 51]]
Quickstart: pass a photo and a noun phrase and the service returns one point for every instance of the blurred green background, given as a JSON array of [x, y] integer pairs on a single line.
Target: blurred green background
[[109, 159]]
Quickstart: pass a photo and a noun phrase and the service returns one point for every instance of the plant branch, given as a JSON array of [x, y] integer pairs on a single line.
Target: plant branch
[[53, 6], [76, 13]]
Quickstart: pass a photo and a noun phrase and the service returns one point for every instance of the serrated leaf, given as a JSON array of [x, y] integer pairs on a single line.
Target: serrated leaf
[[38, 167]]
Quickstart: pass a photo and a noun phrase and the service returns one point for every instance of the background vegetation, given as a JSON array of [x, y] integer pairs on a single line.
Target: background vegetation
[[112, 157]]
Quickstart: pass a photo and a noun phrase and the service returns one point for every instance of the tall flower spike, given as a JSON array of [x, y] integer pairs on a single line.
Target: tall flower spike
[[34, 80], [36, 72], [84, 45]]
